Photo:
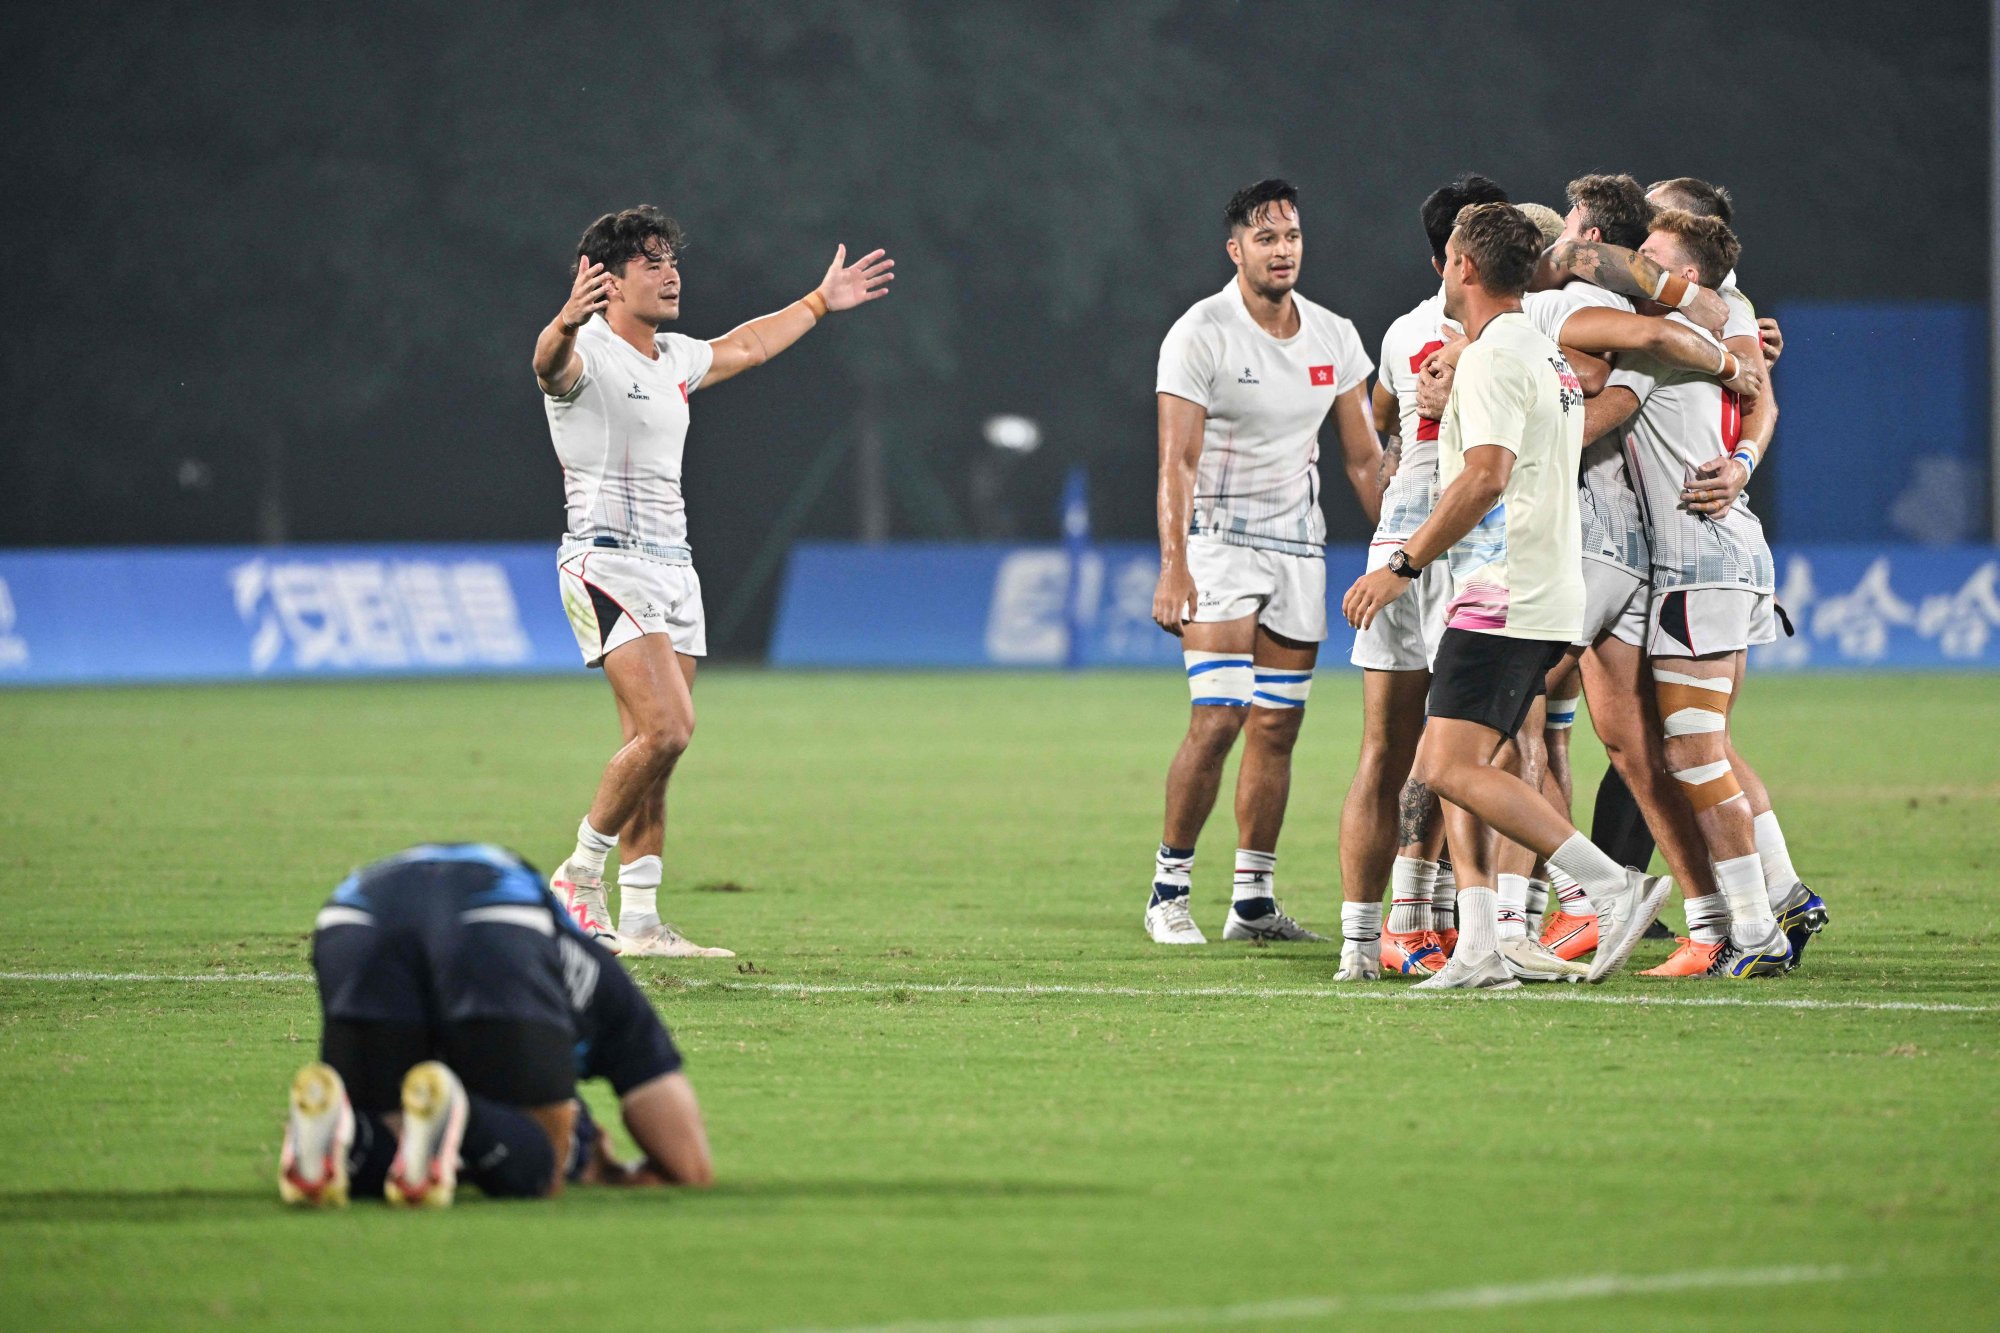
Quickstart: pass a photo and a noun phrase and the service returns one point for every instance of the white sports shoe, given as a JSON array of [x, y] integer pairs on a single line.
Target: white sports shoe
[[1276, 926], [650, 937], [582, 896], [425, 1172], [1360, 960], [312, 1166], [1488, 972], [1531, 960], [1169, 922], [1623, 921]]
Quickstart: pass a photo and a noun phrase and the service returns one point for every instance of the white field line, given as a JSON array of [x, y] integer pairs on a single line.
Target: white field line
[[1539, 995], [1557, 1291]]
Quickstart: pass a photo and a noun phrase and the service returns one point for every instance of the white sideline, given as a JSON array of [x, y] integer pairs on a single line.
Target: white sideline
[[1554, 1291], [1538, 995]]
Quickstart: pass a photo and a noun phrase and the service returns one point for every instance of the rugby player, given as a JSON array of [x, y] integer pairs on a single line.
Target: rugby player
[[616, 391], [1245, 378], [460, 1004], [1508, 451]]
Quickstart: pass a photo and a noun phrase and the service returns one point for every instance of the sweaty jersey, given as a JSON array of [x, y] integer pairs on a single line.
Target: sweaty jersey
[[1519, 572], [1413, 490], [1686, 418], [620, 433], [1613, 532], [1258, 480]]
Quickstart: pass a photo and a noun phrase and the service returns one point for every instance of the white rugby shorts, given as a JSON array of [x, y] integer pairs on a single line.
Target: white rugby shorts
[[614, 596], [1614, 602], [1287, 593], [1697, 622], [1404, 634]]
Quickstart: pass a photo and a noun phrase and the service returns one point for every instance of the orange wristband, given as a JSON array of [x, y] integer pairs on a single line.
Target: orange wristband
[[1673, 291], [814, 302]]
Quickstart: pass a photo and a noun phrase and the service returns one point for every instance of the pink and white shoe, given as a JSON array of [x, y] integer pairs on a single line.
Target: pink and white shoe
[[582, 896]]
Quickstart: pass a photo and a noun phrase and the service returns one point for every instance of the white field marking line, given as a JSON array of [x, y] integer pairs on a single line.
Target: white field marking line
[[1540, 995], [1556, 1291]]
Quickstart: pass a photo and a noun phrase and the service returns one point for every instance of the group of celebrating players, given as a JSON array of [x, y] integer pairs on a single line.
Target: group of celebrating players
[[1570, 422], [1571, 419]]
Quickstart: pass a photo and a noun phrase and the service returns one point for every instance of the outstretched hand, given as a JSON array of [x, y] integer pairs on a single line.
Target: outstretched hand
[[848, 285], [590, 293]]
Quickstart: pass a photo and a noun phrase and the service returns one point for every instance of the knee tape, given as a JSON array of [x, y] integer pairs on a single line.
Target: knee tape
[[1708, 785], [1691, 705], [1281, 689], [1220, 680], [1562, 715]]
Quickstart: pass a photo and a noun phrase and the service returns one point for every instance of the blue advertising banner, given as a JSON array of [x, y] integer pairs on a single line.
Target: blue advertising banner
[[250, 613], [969, 605]]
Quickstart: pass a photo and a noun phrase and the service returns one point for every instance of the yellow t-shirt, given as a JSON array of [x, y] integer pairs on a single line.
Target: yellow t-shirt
[[1520, 571]]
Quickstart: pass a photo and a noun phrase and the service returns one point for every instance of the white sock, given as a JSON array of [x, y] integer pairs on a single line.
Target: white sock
[[1510, 906], [591, 848], [1361, 923], [1410, 885], [639, 892], [1444, 899], [1779, 876], [1538, 904], [1570, 895], [1478, 924], [1598, 875], [1741, 880], [1255, 872], [1173, 872], [1708, 919]]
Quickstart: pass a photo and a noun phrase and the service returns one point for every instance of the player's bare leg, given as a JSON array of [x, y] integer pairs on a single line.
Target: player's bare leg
[[1392, 722], [1195, 776], [1282, 678], [1801, 913], [1514, 867], [1695, 696]]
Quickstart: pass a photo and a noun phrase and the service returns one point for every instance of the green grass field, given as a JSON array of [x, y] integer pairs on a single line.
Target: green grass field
[[948, 1079]]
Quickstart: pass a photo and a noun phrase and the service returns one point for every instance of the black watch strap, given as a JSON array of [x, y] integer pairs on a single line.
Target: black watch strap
[[1399, 563]]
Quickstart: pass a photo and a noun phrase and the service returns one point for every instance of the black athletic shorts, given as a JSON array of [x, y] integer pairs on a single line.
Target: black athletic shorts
[[1489, 678]]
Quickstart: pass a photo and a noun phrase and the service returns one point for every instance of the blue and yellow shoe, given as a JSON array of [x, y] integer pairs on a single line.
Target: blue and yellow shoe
[[1803, 916], [1769, 957]]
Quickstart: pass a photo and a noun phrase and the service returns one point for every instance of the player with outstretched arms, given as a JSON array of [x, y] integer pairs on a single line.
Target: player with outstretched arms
[[616, 389], [1246, 377]]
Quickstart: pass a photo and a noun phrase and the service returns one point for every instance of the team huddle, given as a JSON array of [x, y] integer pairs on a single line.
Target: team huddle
[[1570, 421]]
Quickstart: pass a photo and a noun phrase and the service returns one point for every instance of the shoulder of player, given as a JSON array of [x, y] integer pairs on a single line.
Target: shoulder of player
[[1203, 319]]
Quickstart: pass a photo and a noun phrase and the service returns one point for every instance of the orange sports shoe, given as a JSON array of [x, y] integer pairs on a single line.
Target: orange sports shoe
[[1448, 941], [1690, 960], [1570, 936], [1411, 952]]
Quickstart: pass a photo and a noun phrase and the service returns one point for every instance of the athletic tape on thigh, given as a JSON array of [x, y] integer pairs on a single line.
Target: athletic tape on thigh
[[1562, 715], [1691, 705], [1709, 785], [1221, 680], [1281, 689]]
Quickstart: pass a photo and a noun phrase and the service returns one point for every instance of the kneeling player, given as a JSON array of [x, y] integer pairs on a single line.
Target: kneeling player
[[460, 1006]]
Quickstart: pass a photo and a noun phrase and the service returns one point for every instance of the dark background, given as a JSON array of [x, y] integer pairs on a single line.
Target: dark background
[[276, 274]]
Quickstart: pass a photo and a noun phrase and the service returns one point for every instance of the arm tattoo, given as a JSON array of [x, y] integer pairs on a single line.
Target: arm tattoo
[[1612, 267], [1392, 458], [1415, 811]]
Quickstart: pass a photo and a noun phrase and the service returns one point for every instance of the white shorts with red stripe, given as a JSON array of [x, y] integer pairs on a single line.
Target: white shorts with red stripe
[[1700, 622], [613, 596]]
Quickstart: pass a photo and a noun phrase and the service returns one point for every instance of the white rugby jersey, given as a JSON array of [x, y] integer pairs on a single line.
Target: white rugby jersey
[[1613, 532], [620, 433], [1413, 490], [1258, 480], [1684, 419]]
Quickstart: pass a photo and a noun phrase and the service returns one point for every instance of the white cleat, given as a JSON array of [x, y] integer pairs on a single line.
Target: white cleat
[[1531, 960], [312, 1166], [1488, 972], [425, 1172], [650, 937], [1622, 922], [1360, 960], [1275, 926], [582, 896], [1169, 922]]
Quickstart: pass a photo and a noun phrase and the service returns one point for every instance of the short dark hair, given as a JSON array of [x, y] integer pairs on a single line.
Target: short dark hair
[[1615, 205], [1708, 243], [1695, 195], [1249, 203], [1443, 205], [616, 239], [1503, 243]]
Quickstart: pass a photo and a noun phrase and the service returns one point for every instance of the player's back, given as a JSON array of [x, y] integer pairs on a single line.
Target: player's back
[[1412, 492]]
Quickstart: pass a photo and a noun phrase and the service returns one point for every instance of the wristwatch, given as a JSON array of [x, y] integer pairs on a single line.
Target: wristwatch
[[1399, 563]]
